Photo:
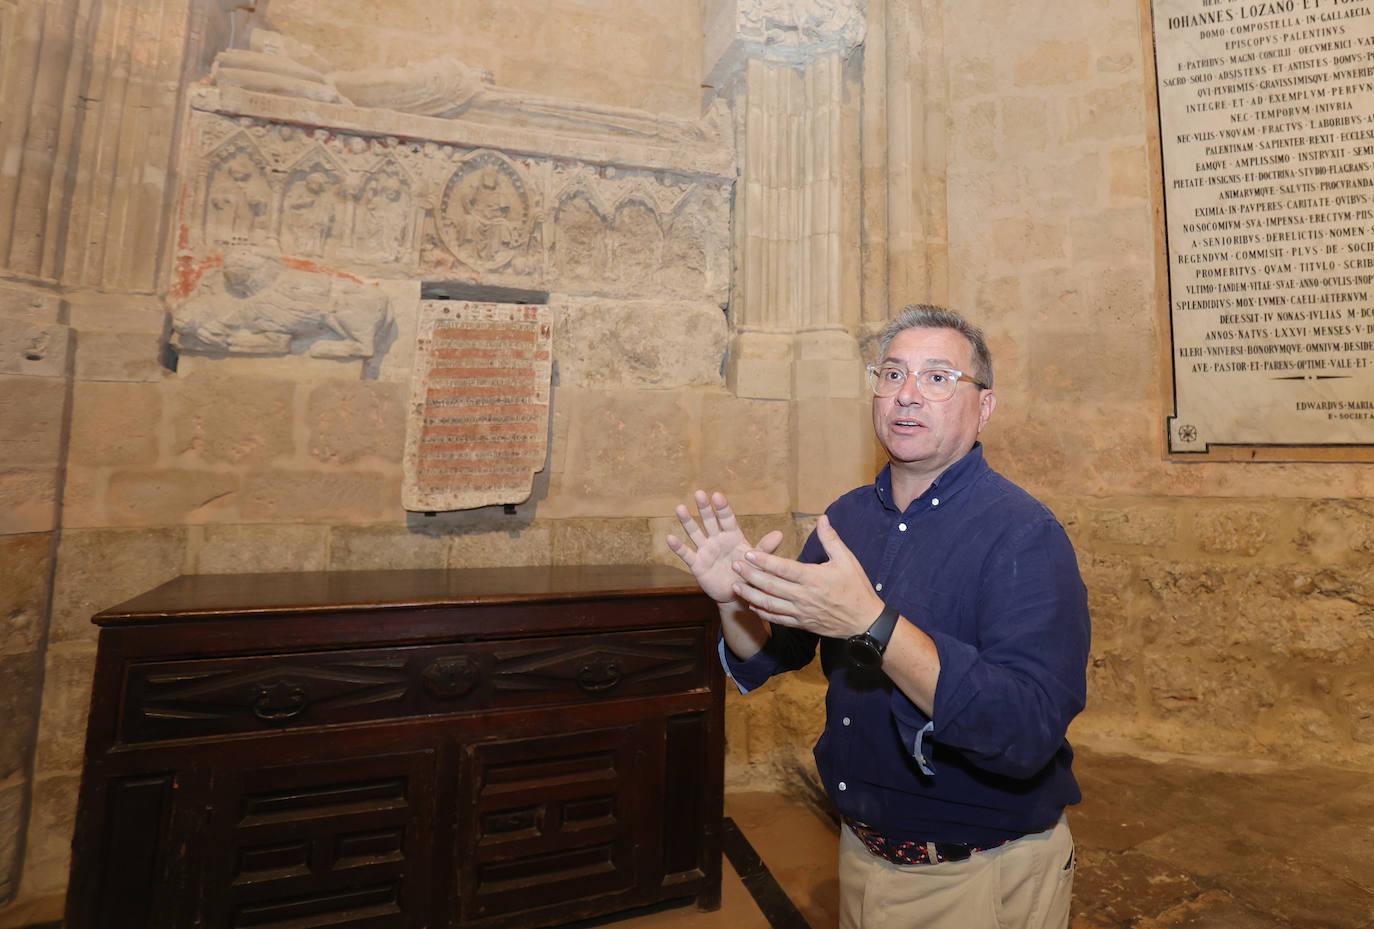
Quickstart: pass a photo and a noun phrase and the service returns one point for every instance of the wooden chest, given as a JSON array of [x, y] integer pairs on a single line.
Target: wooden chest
[[505, 748]]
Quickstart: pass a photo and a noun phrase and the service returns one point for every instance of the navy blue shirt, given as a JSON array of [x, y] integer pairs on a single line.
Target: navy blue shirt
[[989, 574]]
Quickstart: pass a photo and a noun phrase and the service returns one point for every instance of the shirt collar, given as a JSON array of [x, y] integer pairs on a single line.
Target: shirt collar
[[950, 481]]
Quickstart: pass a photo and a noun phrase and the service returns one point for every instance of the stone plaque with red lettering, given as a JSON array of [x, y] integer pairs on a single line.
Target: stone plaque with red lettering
[[477, 429]]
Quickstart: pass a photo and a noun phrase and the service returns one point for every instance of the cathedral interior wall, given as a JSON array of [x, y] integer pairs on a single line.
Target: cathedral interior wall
[[1007, 170]]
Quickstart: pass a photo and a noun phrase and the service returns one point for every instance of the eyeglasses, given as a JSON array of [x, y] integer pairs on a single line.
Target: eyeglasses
[[934, 384]]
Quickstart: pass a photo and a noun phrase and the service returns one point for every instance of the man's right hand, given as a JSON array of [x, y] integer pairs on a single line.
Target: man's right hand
[[716, 544]]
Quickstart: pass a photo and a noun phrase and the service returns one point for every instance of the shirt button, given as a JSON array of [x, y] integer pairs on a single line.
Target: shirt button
[[902, 526], [878, 586], [842, 785], [845, 720], [934, 501]]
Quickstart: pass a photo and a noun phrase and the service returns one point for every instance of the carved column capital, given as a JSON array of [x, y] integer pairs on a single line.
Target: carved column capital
[[813, 26], [788, 32]]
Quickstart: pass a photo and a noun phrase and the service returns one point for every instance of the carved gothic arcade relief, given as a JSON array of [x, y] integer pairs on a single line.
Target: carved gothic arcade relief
[[432, 169], [277, 187], [688, 261], [383, 224], [578, 250], [238, 196], [636, 239], [301, 180], [311, 202], [383, 207]]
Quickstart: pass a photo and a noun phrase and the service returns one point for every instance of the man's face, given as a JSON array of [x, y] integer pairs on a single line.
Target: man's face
[[924, 436]]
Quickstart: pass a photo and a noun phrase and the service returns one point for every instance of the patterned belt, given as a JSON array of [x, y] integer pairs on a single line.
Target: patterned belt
[[902, 851]]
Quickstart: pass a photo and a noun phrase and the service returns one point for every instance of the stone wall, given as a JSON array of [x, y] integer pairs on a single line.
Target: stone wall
[[1233, 602], [209, 312], [1004, 168], [1231, 625]]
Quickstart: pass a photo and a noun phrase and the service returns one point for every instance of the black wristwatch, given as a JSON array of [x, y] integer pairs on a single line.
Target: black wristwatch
[[866, 649]]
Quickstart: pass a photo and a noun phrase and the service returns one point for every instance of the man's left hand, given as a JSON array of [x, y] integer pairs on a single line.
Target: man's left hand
[[833, 599]]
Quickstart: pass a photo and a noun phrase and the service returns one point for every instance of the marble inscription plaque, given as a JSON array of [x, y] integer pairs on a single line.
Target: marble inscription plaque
[[1266, 113], [477, 429]]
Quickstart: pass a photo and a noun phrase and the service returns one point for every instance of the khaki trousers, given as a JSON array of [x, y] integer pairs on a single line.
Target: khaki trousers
[[1021, 885]]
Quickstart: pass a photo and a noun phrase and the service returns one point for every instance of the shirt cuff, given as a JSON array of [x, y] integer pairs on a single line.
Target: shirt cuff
[[918, 749], [725, 663]]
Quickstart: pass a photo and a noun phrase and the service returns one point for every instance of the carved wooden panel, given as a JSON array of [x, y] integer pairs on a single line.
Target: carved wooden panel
[[140, 813], [172, 699], [599, 666], [184, 699], [686, 738], [322, 845], [551, 820], [400, 750]]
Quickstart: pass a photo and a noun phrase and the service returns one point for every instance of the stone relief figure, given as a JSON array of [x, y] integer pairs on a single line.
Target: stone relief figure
[[384, 217], [271, 73], [308, 214], [485, 212], [276, 64], [237, 199], [259, 306], [442, 87], [490, 226]]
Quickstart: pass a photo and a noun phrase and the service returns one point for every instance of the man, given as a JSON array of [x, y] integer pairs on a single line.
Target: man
[[953, 629]]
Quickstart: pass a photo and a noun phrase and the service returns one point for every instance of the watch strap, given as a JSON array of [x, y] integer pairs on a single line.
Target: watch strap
[[883, 627]]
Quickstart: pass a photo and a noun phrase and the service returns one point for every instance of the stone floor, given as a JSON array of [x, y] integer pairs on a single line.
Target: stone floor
[[1161, 843]]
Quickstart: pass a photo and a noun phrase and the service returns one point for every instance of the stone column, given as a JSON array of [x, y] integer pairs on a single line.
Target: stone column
[[37, 59], [117, 235], [89, 116], [782, 67], [905, 230]]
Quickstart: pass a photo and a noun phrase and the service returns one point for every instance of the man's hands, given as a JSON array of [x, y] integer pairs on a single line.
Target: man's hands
[[833, 599], [716, 545]]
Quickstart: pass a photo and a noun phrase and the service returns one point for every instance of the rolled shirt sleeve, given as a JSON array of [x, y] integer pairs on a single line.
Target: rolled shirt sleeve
[[990, 575], [1006, 702], [785, 650]]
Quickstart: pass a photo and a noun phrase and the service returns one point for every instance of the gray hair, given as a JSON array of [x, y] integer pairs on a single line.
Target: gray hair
[[927, 316]]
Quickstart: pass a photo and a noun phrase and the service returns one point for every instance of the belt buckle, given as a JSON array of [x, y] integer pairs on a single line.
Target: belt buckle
[[951, 851]]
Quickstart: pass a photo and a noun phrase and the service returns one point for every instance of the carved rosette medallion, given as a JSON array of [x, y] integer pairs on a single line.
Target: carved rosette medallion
[[451, 677], [485, 216]]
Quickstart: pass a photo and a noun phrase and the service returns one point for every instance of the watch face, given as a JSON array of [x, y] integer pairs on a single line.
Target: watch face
[[864, 651]]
